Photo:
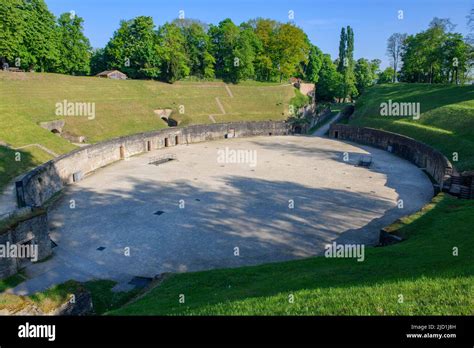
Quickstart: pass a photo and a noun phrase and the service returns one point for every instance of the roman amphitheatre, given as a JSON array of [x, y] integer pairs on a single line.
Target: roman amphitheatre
[[123, 214], [177, 209]]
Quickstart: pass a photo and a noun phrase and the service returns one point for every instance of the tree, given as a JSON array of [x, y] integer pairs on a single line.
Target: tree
[[364, 74], [224, 38], [435, 55], [315, 62], [290, 48], [134, 48], [40, 37], [386, 76], [330, 81], [342, 50], [98, 61], [265, 30], [395, 44], [198, 47], [12, 30], [74, 47], [470, 25], [349, 77], [456, 54], [244, 55], [174, 61], [375, 67], [444, 24]]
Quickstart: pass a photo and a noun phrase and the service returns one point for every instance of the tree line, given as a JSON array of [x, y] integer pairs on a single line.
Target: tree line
[[31, 38], [435, 55]]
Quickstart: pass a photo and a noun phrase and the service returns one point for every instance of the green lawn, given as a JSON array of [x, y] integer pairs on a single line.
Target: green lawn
[[122, 108], [446, 121], [422, 269]]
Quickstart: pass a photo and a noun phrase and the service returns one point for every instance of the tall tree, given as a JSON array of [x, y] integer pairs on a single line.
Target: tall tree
[[394, 51], [98, 61], [386, 76], [40, 37], [198, 47], [364, 74], [315, 62], [435, 56], [224, 38], [342, 50], [444, 23], [330, 81], [290, 49], [265, 29], [244, 55], [470, 26], [74, 47], [175, 63], [134, 48], [12, 30]]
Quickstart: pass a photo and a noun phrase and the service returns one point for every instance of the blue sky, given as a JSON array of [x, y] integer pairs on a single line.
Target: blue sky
[[373, 21]]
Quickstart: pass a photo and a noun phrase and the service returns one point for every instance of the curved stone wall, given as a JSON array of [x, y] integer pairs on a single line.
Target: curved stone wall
[[420, 154], [41, 183]]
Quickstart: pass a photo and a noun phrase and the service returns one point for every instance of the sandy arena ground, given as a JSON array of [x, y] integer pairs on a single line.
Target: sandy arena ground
[[191, 213]]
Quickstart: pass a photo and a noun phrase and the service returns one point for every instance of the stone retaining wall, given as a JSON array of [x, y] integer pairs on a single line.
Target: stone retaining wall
[[31, 229], [420, 154], [41, 183]]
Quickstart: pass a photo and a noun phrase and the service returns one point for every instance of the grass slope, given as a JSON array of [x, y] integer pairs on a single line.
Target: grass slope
[[122, 108], [422, 269], [446, 121]]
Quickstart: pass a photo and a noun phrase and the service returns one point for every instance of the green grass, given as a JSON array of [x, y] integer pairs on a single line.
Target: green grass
[[46, 301], [104, 299], [422, 269], [299, 100], [11, 281], [28, 158], [122, 108], [446, 121]]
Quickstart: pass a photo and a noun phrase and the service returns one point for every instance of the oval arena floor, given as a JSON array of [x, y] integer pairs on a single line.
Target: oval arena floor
[[197, 212]]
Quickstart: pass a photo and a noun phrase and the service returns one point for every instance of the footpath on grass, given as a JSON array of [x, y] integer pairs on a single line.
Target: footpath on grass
[[321, 131]]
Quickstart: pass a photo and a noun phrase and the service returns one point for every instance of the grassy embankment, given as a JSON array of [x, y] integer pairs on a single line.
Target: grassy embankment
[[121, 107]]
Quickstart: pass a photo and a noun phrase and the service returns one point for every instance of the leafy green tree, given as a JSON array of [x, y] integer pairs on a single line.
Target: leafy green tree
[[265, 29], [12, 30], [435, 55], [364, 74], [98, 61], [350, 89], [456, 55], [224, 39], [40, 37], [74, 47], [172, 50], [342, 51], [315, 62], [244, 55], [290, 50], [198, 47], [386, 76], [134, 49], [330, 81]]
